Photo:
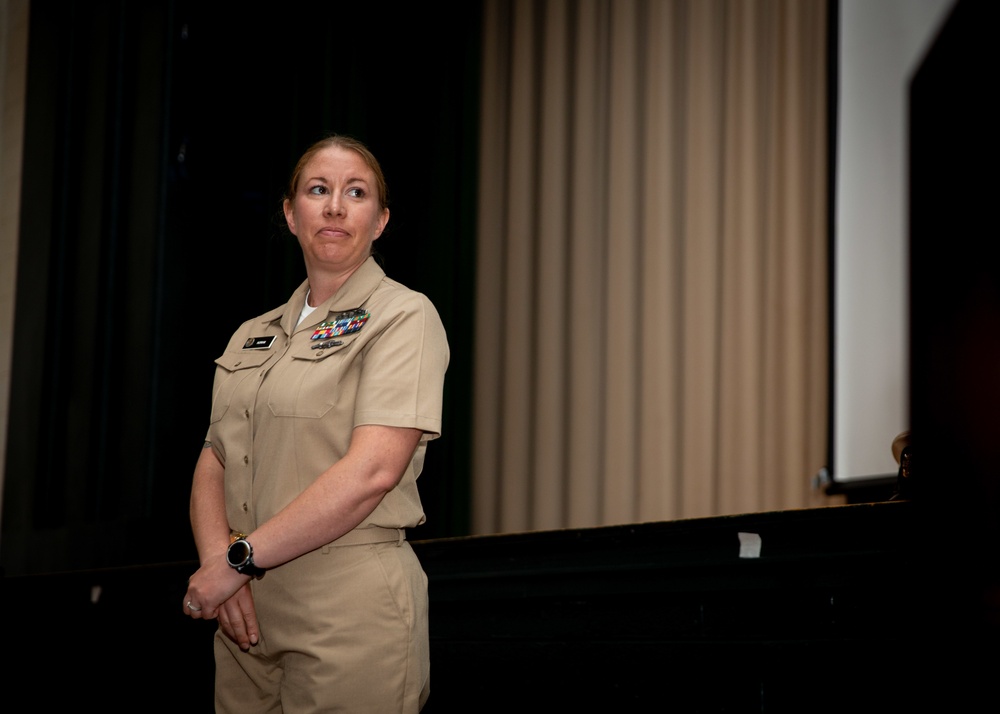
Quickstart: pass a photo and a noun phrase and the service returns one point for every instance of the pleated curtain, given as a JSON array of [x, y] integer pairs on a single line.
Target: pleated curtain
[[652, 281]]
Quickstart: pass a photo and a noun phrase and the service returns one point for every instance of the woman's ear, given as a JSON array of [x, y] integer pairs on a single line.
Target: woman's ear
[[382, 221], [286, 207]]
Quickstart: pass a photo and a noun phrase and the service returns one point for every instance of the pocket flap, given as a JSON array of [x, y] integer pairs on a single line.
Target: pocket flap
[[233, 361]]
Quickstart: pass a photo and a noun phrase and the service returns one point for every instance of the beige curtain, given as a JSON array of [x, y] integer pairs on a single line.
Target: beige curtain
[[652, 261]]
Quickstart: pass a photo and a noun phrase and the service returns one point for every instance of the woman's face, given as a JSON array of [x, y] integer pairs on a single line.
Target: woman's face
[[336, 213]]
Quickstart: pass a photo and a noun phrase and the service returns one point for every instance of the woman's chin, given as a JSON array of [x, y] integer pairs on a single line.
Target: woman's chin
[[334, 262]]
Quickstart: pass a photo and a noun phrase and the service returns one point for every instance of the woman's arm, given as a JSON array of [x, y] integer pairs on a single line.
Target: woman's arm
[[237, 615], [341, 498], [337, 501], [208, 505]]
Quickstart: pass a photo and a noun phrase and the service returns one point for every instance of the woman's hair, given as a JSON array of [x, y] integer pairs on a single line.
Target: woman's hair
[[344, 142]]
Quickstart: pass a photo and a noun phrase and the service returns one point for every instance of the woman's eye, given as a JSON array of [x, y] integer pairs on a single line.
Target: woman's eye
[[356, 192], [317, 190]]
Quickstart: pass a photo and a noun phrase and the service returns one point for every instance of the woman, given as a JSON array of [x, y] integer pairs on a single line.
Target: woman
[[321, 413]]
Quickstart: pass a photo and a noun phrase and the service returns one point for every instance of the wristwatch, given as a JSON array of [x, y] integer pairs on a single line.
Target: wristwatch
[[239, 555]]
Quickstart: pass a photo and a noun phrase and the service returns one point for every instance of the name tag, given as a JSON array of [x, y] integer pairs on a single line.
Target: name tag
[[259, 343]]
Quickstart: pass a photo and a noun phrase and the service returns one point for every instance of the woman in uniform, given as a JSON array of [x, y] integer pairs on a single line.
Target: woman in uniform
[[321, 413]]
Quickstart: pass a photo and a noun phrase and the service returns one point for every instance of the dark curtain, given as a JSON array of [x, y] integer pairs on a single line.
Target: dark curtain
[[158, 140]]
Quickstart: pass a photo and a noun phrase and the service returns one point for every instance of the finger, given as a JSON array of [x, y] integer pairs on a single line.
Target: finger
[[191, 609], [243, 609], [232, 625], [238, 634], [227, 629], [250, 626]]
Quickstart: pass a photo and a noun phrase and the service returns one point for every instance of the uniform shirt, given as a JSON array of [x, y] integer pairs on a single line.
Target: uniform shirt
[[286, 398]]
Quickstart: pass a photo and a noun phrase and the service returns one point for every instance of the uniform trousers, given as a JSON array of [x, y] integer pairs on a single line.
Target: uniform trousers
[[342, 629]]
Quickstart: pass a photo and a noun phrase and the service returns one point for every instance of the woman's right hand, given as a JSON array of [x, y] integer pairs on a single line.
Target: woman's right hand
[[238, 618]]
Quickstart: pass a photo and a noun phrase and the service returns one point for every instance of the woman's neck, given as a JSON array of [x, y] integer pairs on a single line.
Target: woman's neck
[[324, 284]]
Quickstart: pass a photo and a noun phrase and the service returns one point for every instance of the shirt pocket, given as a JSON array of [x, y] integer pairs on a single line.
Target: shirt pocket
[[232, 369], [310, 382]]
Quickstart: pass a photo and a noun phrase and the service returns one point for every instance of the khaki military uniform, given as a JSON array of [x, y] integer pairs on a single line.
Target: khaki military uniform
[[343, 628]]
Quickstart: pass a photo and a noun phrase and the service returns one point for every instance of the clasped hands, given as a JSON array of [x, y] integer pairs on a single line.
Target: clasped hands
[[216, 591]]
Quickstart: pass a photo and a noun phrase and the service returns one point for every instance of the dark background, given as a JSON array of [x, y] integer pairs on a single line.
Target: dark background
[[159, 138]]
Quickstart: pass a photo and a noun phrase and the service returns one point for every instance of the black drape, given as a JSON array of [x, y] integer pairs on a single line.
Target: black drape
[[158, 140]]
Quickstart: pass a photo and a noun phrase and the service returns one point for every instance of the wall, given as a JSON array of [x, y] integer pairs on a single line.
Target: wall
[[881, 44]]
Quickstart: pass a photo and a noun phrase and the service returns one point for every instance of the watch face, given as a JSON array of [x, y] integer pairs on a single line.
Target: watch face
[[238, 553]]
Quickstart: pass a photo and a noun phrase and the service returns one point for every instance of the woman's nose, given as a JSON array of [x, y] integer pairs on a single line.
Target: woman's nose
[[335, 205]]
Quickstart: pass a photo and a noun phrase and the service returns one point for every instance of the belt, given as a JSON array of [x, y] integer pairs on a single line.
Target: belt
[[359, 536], [371, 534]]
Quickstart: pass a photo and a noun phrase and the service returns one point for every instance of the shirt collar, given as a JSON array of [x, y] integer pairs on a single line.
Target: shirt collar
[[353, 293]]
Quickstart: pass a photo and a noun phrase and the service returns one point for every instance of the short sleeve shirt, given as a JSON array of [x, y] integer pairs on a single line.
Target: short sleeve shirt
[[286, 399]]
